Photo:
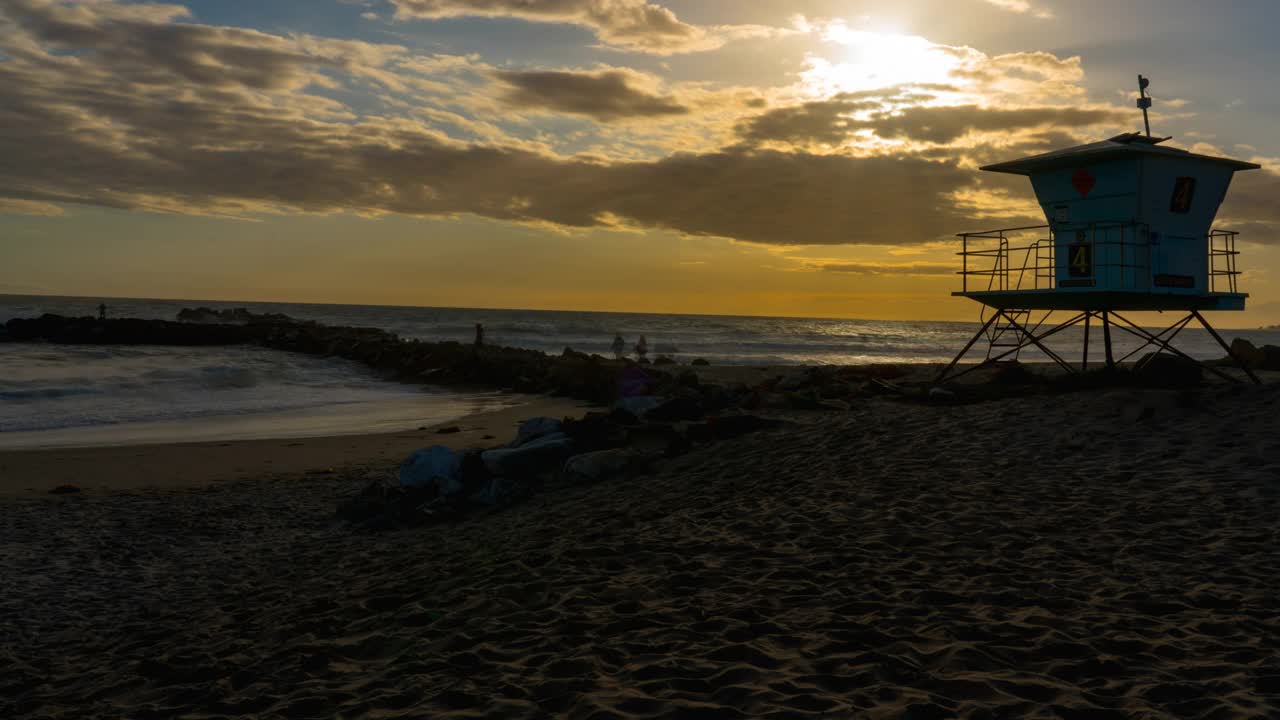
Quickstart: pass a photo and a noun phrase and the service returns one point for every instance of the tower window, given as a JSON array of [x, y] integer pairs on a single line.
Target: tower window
[[1183, 192]]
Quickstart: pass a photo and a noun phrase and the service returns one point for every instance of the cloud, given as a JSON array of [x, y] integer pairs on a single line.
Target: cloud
[[1021, 7], [605, 95], [83, 120], [1251, 208], [835, 120], [635, 25], [121, 105], [871, 268]]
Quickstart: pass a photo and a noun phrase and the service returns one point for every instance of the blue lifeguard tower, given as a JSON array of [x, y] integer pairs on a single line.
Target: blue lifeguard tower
[[1130, 228]]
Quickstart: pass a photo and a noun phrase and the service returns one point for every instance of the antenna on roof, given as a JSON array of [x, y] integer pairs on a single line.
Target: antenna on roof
[[1144, 102]]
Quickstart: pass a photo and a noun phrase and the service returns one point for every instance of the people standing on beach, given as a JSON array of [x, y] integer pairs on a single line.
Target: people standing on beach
[[479, 334], [642, 348], [619, 345], [102, 311]]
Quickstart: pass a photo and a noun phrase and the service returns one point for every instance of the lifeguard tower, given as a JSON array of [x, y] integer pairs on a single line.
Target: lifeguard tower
[[1130, 228]]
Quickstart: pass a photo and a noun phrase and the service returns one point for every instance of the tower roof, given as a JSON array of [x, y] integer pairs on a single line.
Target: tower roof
[[1120, 145]]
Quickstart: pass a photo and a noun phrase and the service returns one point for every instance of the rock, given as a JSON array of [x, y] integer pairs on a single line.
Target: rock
[[700, 362], [436, 467], [449, 430], [603, 465], [533, 457], [1169, 371], [1270, 358], [382, 506], [234, 316], [65, 490], [598, 431], [663, 360], [638, 405], [534, 428], [634, 382], [1247, 353], [657, 439], [676, 409], [1013, 373], [938, 394]]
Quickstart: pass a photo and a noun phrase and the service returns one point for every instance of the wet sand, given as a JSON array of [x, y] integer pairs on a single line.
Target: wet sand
[[1103, 555], [197, 464]]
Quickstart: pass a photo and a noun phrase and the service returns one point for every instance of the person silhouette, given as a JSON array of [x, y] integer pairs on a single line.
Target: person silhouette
[[642, 348], [102, 311], [618, 346]]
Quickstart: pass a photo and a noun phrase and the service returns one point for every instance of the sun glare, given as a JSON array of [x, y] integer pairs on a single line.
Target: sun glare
[[880, 59]]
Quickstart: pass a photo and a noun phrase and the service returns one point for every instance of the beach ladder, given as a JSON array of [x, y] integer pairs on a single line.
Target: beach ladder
[[1044, 264], [1007, 333]]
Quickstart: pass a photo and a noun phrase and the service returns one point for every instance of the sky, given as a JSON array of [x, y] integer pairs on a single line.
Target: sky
[[808, 158]]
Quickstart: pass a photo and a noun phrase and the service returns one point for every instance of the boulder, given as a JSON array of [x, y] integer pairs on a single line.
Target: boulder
[[603, 465], [1247, 353], [700, 362], [638, 405], [598, 431], [657, 439], [434, 467], [534, 428], [676, 409], [941, 395], [531, 458], [1169, 371], [1270, 358], [382, 505]]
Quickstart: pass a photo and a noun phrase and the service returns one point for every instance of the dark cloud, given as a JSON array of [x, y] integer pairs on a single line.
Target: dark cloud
[[912, 268], [831, 121], [628, 24], [143, 42], [819, 122], [1251, 206], [96, 126], [948, 123], [606, 95]]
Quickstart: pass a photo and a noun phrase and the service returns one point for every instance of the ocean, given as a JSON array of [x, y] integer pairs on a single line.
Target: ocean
[[76, 395]]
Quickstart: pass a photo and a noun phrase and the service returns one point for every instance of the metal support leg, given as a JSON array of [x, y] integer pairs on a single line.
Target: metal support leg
[[1036, 341], [1084, 362], [1075, 320], [1240, 363], [1106, 339], [1140, 332], [943, 375]]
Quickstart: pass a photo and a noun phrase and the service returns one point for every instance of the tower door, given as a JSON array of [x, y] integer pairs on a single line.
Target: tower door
[[1177, 263]]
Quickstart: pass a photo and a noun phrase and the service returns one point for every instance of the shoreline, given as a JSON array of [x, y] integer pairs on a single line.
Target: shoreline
[[168, 466]]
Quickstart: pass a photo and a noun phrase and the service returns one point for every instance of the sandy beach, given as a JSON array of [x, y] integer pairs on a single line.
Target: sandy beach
[[1090, 555], [199, 464]]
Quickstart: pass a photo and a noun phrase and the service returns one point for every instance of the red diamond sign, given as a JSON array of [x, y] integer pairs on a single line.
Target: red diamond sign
[[1083, 181]]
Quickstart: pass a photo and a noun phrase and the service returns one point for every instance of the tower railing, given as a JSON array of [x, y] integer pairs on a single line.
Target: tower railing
[[1025, 258], [1006, 266]]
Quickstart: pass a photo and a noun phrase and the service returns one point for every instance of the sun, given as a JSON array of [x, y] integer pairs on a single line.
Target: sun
[[873, 60]]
